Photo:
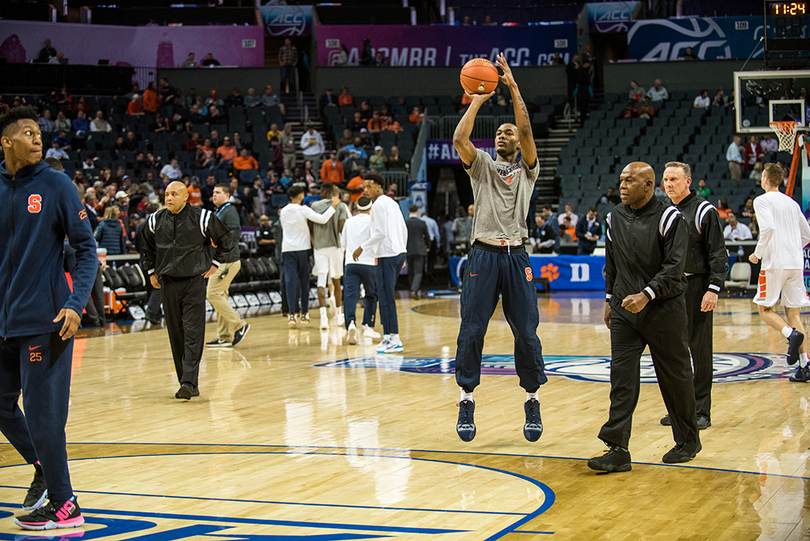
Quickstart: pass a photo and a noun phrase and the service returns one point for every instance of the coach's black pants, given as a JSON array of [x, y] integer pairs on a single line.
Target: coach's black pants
[[700, 342], [184, 309], [662, 326]]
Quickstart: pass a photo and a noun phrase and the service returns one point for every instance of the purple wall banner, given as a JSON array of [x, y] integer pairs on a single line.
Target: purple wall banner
[[144, 46], [442, 152], [448, 45]]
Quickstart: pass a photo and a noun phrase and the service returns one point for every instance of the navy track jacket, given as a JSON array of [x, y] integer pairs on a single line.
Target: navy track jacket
[[38, 208]]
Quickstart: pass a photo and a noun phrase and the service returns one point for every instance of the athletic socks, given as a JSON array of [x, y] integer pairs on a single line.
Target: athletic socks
[[465, 396], [786, 330], [804, 359], [323, 311], [535, 395]]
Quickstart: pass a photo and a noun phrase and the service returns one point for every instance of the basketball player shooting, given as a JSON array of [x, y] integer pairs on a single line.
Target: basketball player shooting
[[498, 263]]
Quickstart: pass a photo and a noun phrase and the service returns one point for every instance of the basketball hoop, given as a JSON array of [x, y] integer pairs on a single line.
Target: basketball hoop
[[786, 132]]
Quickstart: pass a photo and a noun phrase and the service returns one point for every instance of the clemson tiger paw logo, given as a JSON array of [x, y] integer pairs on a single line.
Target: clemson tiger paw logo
[[550, 272]]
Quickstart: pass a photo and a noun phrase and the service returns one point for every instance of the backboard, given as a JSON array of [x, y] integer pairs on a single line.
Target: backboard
[[761, 97]]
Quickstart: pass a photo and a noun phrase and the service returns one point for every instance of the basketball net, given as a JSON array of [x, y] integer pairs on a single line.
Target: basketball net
[[786, 132]]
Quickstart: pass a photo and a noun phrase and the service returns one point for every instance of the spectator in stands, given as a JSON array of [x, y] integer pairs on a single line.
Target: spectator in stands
[[81, 105], [46, 53], [64, 100], [244, 161], [551, 218], [392, 125], [131, 142], [357, 123], [273, 131], [309, 173], [90, 202], [702, 101], [271, 99], [757, 190], [500, 98], [702, 190], [167, 94], [287, 142], [746, 212], [312, 146], [489, 22], [312, 196], [46, 125], [753, 152], [192, 142], [355, 186], [215, 116], [355, 155], [171, 171], [395, 161], [342, 57], [58, 59], [159, 125], [609, 197], [346, 139], [286, 178], [556, 60], [769, 147], [194, 194], [274, 185], [658, 92], [277, 162], [213, 99], [345, 98], [327, 100], [379, 60], [189, 62], [636, 92], [226, 153], [690, 55], [134, 107], [110, 233], [209, 61], [735, 159], [366, 55], [584, 91], [265, 243], [56, 152], [646, 110], [542, 236], [723, 209], [235, 99], [258, 198], [569, 212], [366, 112], [252, 100], [571, 70], [207, 192], [80, 123], [461, 226], [588, 232], [375, 124], [568, 232], [365, 140], [61, 122], [720, 99], [288, 58], [630, 111], [332, 170], [736, 230], [378, 159], [150, 99], [756, 172], [99, 124]]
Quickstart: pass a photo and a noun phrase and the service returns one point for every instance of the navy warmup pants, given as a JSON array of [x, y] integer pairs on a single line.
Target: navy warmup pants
[[493, 270], [353, 276], [39, 366], [296, 278], [387, 273]]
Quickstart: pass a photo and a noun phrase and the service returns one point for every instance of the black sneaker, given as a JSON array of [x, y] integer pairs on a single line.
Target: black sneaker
[[64, 514], [703, 422], [218, 343], [533, 428], [466, 423], [802, 374], [616, 459], [666, 421], [186, 391], [38, 493], [794, 341], [682, 452], [239, 335]]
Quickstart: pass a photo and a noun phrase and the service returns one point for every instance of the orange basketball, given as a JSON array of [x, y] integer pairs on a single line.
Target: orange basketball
[[479, 76]]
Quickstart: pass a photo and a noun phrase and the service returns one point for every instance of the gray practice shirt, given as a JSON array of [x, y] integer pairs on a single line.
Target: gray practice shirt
[[328, 234], [502, 192]]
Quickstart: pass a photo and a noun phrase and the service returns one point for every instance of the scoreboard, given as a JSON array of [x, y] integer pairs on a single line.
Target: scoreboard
[[786, 26]]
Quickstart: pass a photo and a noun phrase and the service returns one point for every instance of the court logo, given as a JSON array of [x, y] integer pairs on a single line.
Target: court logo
[[728, 367]]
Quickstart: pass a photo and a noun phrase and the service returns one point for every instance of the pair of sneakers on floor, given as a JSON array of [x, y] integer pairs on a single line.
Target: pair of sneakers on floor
[[44, 514], [532, 429], [353, 333]]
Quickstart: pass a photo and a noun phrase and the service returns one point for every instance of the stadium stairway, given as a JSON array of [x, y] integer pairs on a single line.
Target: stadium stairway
[[548, 154]]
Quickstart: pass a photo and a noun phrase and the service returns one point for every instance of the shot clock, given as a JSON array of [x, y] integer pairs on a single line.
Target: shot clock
[[786, 26]]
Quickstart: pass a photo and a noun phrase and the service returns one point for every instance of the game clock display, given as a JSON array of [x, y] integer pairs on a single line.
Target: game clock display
[[786, 25]]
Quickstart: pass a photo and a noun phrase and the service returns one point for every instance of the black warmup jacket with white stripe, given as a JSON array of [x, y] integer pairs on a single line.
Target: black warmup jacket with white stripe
[[645, 251], [707, 252], [184, 244]]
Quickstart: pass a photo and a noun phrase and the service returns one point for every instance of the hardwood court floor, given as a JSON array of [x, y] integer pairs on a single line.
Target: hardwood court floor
[[279, 448]]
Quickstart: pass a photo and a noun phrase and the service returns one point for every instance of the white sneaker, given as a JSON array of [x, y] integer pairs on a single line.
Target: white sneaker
[[330, 302], [293, 320], [393, 346], [340, 319], [351, 337], [324, 322], [382, 345], [369, 332]]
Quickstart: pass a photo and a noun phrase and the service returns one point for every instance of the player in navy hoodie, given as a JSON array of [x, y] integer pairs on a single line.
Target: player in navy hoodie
[[39, 314]]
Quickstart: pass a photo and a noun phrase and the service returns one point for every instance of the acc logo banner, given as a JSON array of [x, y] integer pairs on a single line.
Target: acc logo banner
[[287, 20], [728, 367]]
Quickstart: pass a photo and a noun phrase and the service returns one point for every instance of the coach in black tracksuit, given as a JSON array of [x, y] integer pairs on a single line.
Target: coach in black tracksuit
[[645, 248], [705, 268], [179, 256]]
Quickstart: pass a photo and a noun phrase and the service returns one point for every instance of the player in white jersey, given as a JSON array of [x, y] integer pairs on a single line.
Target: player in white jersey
[[783, 233]]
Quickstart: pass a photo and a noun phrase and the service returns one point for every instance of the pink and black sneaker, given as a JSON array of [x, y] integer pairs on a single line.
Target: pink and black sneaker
[[54, 515]]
